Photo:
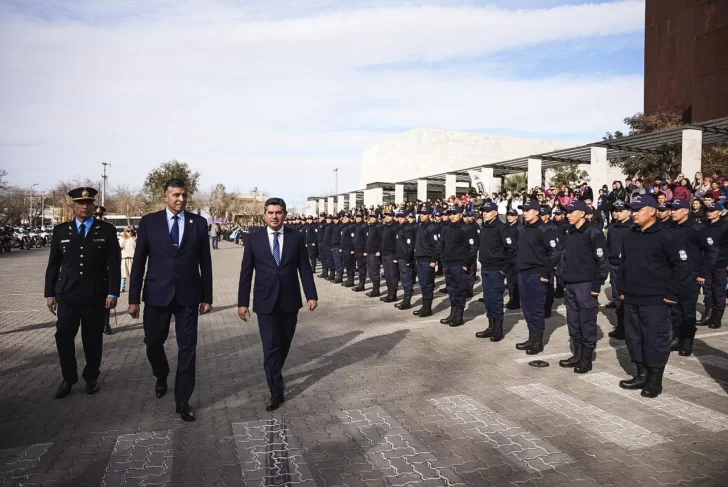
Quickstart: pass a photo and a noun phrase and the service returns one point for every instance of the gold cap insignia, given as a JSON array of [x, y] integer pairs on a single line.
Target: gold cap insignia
[[84, 194]]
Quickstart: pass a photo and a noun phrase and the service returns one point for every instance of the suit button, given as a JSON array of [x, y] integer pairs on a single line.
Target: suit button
[[81, 248], [81, 264], [80, 273], [82, 256]]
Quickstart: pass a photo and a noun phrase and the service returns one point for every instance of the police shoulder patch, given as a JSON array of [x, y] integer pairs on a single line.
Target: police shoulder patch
[[409, 241], [552, 243], [471, 241], [600, 252], [508, 240], [683, 255], [435, 237], [710, 241]]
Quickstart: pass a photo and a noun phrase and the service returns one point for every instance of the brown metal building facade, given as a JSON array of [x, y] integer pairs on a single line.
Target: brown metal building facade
[[686, 58]]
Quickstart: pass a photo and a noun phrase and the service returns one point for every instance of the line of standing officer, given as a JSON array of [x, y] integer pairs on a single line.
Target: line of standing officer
[[360, 246], [405, 255], [348, 232], [427, 253], [618, 228], [458, 249], [714, 287], [388, 249]]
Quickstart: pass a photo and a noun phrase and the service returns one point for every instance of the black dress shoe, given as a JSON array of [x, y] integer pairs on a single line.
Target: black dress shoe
[[92, 387], [63, 390], [185, 412], [160, 388], [108, 330], [274, 403], [611, 306]]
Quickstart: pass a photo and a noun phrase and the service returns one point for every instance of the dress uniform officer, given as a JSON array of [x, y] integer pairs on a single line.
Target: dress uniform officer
[[427, 253], [458, 248], [311, 238], [513, 226], [443, 219], [545, 213], [715, 284], [347, 249], [412, 223], [497, 255], [584, 268], [698, 246], [620, 226], [538, 254], [328, 263], [389, 249], [99, 213], [560, 226], [405, 255], [474, 229], [338, 275], [650, 273], [82, 281], [374, 254], [360, 245]]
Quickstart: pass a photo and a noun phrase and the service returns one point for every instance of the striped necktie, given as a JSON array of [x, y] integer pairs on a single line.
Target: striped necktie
[[276, 248]]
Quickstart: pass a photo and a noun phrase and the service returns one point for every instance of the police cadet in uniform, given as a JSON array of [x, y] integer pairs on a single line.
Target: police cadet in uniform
[[649, 277], [458, 248], [311, 239], [427, 253], [328, 264], [320, 233], [347, 249], [664, 216], [374, 254], [584, 268], [360, 245], [412, 223], [714, 288], [99, 213], [545, 213], [405, 255], [444, 218], [514, 227], [82, 281], [473, 229], [560, 226], [389, 249], [497, 254], [337, 276], [696, 243], [538, 253], [618, 228]]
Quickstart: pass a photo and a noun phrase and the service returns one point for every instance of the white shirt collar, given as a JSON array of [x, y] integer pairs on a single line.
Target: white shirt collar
[[271, 231], [181, 215]]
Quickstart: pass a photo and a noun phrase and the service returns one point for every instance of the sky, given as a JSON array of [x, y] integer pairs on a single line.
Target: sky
[[276, 94]]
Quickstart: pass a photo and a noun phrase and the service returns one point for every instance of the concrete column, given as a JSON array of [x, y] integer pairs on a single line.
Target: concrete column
[[488, 180], [398, 194], [599, 170], [422, 189], [322, 205], [311, 208], [330, 206], [341, 202], [352, 200], [692, 151], [450, 185], [535, 177], [373, 197]]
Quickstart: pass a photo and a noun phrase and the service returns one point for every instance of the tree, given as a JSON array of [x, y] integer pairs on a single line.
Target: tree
[[568, 175], [219, 202], [515, 182], [153, 189], [124, 200], [3, 180]]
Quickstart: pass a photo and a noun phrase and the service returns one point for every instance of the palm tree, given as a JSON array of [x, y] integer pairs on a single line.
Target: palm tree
[[516, 182]]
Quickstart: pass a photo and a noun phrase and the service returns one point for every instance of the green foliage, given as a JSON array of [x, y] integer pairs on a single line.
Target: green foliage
[[515, 182], [153, 189], [568, 175]]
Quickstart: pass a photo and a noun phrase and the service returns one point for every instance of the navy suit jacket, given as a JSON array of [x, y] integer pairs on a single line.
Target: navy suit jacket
[[277, 288], [184, 274]]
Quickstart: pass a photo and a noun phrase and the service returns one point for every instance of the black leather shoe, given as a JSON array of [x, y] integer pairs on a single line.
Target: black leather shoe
[[617, 333], [160, 388], [611, 306], [63, 390], [108, 330], [274, 403], [92, 387], [185, 412]]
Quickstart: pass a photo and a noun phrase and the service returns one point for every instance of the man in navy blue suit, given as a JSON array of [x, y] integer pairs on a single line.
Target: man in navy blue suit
[[279, 256], [174, 247]]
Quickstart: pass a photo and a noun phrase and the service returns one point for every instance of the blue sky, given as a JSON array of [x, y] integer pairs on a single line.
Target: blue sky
[[276, 94]]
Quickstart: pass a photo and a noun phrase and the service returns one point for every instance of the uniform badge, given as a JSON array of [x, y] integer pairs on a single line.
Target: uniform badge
[[471, 241], [352, 234], [683, 255], [552, 243], [65, 241], [408, 241], [84, 194], [710, 241], [509, 241], [435, 236], [600, 253]]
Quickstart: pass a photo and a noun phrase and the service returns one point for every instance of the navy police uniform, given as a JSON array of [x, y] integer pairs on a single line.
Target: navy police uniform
[[405, 255], [374, 255], [427, 253], [458, 249], [360, 245], [714, 289], [389, 258], [615, 237]]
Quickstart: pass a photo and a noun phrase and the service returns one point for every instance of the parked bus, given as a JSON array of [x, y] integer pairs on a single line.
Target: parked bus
[[120, 222]]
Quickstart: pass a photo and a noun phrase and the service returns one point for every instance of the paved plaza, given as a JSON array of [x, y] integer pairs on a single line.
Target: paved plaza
[[375, 397]]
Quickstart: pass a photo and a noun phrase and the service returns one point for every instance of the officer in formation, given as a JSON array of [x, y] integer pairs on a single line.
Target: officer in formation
[[374, 254], [714, 287], [514, 226], [474, 229], [348, 259], [360, 250], [329, 268], [320, 248], [312, 241], [427, 254], [620, 226], [405, 255], [458, 249], [82, 282], [388, 248], [336, 274]]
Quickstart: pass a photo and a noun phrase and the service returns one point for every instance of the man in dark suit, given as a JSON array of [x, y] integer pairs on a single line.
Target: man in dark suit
[[176, 247], [278, 256], [82, 282]]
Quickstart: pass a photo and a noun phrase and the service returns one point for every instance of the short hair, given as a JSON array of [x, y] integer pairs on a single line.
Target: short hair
[[275, 202], [174, 183]]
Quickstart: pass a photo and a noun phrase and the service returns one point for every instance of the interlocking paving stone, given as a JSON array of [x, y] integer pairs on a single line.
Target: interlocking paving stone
[[507, 437], [270, 455], [140, 459], [16, 463], [695, 414], [390, 448], [714, 360], [698, 381], [610, 426]]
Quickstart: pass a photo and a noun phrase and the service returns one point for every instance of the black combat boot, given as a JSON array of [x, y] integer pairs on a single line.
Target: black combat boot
[[497, 331], [425, 310], [448, 320], [638, 381], [675, 343], [391, 297], [406, 302], [349, 282], [536, 344], [585, 364], [324, 274], [653, 384], [717, 318], [488, 332], [457, 319], [374, 293], [514, 303], [332, 275], [470, 292], [359, 288], [573, 361], [559, 293], [686, 347], [707, 318], [443, 290], [617, 333], [527, 343]]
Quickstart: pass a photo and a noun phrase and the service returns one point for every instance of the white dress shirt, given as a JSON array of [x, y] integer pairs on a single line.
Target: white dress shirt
[[181, 222], [280, 239]]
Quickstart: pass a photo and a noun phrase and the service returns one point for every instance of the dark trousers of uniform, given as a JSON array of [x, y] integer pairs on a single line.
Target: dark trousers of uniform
[[549, 302], [361, 267], [374, 263], [407, 276], [613, 269], [493, 289], [426, 276], [156, 330], [559, 281], [349, 263], [338, 262], [581, 313], [313, 257], [276, 333], [714, 289], [512, 282], [647, 331], [391, 272], [533, 298], [683, 312], [90, 317], [457, 282], [325, 256], [472, 271]]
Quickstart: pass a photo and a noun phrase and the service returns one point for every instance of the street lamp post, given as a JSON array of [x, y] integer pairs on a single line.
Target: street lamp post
[[31, 217]]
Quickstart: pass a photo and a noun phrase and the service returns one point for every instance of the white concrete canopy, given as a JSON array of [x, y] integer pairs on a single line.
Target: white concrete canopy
[[422, 189], [692, 152], [535, 176], [398, 194]]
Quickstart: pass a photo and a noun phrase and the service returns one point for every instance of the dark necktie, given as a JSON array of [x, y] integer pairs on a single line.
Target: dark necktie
[[174, 234], [82, 231], [276, 248]]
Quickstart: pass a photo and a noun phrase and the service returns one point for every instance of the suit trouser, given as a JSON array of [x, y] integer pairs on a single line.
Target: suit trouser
[[581, 313], [276, 334], [391, 272], [156, 330], [338, 262], [493, 290], [349, 264], [647, 331], [361, 266], [90, 316], [533, 299], [714, 289], [683, 312], [407, 276], [426, 275], [374, 263], [457, 282]]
